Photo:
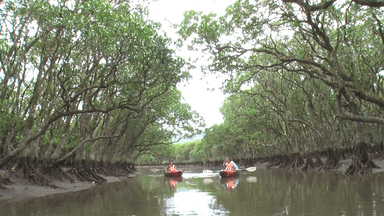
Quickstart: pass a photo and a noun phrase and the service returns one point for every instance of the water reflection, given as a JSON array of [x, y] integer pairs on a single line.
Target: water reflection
[[193, 202], [229, 183], [208, 181], [172, 181], [251, 179], [272, 192]]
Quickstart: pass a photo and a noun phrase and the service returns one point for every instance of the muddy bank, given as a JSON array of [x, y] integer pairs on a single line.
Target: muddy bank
[[22, 188], [342, 167]]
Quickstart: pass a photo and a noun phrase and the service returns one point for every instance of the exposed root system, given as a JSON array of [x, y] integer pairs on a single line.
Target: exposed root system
[[86, 172], [318, 162], [55, 171], [308, 165], [332, 160], [296, 162], [275, 161], [29, 169], [5, 181], [361, 163]]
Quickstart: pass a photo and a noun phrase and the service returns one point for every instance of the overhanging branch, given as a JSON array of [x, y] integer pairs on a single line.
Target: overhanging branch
[[370, 3], [320, 6], [373, 120]]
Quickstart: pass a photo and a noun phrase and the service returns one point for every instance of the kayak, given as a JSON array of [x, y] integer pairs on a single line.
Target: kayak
[[173, 174], [229, 173]]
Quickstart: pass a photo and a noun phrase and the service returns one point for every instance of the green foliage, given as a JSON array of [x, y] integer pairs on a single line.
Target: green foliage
[[193, 151], [300, 74], [6, 119], [146, 159], [198, 153], [102, 63]]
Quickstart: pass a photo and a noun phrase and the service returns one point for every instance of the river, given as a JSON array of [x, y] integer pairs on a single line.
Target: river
[[263, 192]]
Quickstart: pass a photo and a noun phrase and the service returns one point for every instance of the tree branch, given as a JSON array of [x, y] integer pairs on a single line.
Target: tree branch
[[320, 6], [373, 120], [370, 3], [80, 145]]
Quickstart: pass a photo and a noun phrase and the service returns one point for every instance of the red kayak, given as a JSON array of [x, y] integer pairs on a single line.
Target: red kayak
[[229, 173], [173, 174]]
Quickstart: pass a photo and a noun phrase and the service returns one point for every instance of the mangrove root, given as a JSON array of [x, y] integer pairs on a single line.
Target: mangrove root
[[30, 169], [361, 163], [332, 160]]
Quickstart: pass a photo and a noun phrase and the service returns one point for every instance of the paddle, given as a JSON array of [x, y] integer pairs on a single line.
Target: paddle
[[155, 170]]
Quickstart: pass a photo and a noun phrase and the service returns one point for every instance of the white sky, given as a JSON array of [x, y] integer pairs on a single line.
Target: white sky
[[197, 92]]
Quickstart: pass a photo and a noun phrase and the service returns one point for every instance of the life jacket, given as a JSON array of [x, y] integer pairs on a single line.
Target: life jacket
[[230, 166], [171, 168]]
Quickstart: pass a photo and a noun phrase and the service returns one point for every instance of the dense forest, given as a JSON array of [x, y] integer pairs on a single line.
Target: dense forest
[[93, 85], [88, 84], [305, 80]]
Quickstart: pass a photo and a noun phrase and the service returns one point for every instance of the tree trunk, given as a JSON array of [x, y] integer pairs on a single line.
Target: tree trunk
[[63, 139]]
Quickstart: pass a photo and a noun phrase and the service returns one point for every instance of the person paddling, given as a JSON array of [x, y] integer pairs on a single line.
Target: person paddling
[[230, 165], [171, 167]]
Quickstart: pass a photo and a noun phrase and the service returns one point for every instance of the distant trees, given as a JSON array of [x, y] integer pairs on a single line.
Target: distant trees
[[179, 152]]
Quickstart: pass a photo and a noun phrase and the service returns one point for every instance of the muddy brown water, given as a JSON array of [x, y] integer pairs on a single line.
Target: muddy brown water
[[263, 192]]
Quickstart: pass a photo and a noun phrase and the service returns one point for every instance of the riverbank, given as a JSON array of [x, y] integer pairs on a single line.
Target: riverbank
[[22, 188], [343, 165]]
